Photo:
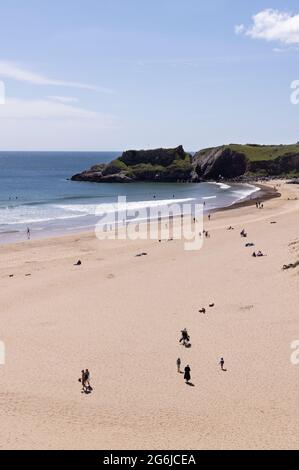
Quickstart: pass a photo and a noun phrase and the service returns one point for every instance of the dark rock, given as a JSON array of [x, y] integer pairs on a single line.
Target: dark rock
[[233, 162], [276, 167], [163, 165], [219, 162]]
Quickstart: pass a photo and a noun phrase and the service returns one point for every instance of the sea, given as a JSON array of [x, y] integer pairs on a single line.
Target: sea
[[36, 193]]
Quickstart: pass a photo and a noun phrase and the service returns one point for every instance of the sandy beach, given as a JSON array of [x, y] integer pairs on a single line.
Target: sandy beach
[[121, 316]]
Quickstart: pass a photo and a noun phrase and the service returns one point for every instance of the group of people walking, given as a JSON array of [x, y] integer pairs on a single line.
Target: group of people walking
[[185, 340], [187, 371]]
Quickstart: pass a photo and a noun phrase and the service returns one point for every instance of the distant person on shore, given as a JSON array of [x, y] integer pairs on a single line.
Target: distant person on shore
[[187, 375], [221, 363], [209, 216], [178, 363], [28, 233]]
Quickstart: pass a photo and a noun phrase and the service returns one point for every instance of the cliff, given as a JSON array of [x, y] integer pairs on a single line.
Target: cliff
[[234, 160], [142, 165], [175, 165]]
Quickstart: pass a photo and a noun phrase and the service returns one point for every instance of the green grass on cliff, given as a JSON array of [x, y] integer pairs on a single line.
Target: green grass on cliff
[[264, 152], [255, 152]]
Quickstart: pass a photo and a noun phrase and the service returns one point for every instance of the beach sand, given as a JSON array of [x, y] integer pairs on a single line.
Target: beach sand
[[121, 316]]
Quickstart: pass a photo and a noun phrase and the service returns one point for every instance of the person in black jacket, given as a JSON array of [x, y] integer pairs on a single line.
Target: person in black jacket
[[187, 375]]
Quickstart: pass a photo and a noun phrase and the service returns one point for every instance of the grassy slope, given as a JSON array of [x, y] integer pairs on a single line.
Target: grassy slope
[[260, 152], [265, 152]]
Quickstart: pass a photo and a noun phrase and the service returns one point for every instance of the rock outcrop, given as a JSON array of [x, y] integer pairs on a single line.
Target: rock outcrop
[[219, 162], [175, 165], [163, 165], [279, 166]]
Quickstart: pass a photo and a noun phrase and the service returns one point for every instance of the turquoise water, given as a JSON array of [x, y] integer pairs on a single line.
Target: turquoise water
[[35, 192]]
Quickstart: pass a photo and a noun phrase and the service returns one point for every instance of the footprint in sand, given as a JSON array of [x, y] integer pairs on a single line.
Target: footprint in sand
[[246, 307]]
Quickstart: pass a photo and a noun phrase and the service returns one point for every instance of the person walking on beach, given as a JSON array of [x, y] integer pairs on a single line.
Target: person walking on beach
[[82, 380], [178, 363], [187, 375], [209, 216], [28, 233], [87, 378], [221, 363]]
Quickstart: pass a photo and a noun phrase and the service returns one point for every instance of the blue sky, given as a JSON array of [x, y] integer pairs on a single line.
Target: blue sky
[[119, 74]]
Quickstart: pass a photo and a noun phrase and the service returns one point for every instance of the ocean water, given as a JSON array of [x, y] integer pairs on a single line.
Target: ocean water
[[35, 192]]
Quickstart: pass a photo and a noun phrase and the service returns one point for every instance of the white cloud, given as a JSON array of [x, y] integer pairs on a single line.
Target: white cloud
[[239, 28], [12, 71], [18, 109], [64, 99], [273, 25], [50, 125]]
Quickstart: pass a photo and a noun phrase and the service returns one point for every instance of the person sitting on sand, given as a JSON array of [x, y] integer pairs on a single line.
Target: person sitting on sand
[[254, 254], [178, 363], [185, 337], [187, 375], [259, 253]]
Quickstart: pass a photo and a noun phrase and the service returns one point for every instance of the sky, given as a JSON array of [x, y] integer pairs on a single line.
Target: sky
[[131, 74]]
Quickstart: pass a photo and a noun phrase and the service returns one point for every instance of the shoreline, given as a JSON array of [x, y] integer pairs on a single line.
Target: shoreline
[[268, 193], [265, 193]]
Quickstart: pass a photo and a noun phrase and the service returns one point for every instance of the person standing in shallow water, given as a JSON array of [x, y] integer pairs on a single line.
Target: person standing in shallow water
[[28, 233], [187, 375], [178, 363]]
